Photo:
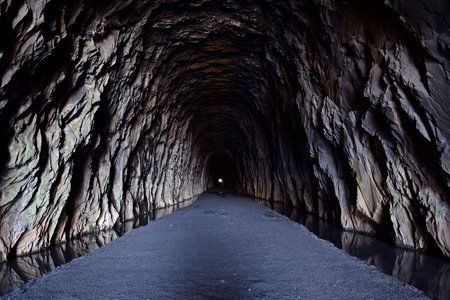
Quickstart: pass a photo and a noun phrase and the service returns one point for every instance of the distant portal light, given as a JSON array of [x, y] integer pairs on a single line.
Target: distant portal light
[[220, 180]]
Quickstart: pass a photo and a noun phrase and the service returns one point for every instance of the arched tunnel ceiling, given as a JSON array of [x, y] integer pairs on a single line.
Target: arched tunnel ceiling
[[112, 108]]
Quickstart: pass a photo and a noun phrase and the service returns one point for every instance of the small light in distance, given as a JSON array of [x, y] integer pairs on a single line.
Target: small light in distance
[[220, 180]]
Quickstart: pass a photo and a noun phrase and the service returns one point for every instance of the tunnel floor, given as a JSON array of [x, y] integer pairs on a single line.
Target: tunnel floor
[[224, 246]]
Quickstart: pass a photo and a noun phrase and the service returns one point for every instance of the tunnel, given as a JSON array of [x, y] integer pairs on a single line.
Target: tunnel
[[220, 171], [110, 109]]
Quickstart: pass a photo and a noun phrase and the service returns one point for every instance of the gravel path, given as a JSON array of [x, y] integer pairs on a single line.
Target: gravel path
[[221, 247]]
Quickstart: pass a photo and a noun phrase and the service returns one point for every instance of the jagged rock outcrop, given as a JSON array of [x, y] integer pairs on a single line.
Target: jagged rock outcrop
[[111, 108]]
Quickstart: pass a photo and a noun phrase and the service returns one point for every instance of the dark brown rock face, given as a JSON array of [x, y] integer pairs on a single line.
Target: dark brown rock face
[[111, 108]]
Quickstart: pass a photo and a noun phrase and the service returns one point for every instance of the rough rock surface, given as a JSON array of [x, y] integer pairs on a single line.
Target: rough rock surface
[[111, 108]]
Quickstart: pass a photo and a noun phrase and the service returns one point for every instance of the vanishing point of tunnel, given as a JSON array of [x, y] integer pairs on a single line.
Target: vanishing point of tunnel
[[111, 109]]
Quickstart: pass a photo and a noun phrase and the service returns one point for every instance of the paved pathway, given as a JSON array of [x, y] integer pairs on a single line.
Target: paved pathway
[[221, 247]]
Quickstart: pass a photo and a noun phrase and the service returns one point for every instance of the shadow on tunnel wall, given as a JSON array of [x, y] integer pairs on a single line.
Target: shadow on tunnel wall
[[427, 273], [17, 272]]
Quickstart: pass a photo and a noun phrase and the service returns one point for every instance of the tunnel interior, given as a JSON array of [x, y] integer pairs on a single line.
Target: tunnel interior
[[220, 171], [110, 109]]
